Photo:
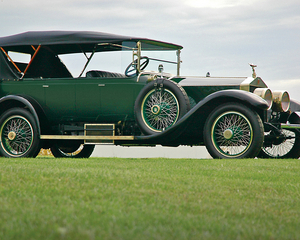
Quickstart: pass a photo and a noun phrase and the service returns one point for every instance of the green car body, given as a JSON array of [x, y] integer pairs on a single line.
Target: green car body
[[82, 99], [42, 105]]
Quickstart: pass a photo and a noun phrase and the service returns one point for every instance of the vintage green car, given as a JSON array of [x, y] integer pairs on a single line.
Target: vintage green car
[[44, 105]]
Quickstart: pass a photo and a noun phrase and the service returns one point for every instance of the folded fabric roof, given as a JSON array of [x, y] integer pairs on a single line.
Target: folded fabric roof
[[76, 41]]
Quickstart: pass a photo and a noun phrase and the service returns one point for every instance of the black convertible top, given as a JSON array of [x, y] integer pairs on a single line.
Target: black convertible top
[[45, 46], [76, 41]]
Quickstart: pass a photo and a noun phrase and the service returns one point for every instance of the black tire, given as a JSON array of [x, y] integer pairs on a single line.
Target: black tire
[[233, 131], [77, 151], [286, 146], [159, 105], [19, 134]]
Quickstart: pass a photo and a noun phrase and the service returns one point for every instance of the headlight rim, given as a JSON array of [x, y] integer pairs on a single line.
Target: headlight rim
[[266, 94], [281, 101]]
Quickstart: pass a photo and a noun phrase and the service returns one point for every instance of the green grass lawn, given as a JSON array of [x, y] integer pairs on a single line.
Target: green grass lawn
[[102, 198]]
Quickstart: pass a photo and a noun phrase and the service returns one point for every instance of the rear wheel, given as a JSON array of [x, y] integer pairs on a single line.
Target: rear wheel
[[74, 151], [19, 134], [233, 131]]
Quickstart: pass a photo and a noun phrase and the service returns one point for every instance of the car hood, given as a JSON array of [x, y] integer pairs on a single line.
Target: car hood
[[243, 83]]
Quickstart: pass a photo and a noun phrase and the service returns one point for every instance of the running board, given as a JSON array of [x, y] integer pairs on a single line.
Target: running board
[[81, 137], [93, 134]]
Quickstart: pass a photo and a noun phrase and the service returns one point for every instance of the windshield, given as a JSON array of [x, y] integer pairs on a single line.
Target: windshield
[[118, 61], [167, 58]]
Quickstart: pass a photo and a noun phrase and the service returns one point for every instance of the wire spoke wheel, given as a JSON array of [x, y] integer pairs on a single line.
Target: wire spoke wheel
[[233, 131], [19, 134], [287, 145], [160, 109], [16, 135], [232, 134], [282, 149]]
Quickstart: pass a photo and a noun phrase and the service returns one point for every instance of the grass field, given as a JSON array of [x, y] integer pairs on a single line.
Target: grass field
[[97, 198]]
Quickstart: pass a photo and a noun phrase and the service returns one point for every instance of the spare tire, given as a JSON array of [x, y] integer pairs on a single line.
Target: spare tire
[[159, 105]]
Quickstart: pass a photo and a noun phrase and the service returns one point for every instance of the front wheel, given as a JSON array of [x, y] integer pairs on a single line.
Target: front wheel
[[75, 151], [19, 134], [233, 131]]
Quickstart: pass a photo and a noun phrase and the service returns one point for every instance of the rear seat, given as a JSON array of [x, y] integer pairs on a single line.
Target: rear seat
[[104, 74]]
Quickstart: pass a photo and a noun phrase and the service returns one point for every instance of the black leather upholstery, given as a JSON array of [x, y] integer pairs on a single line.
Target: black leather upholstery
[[104, 74]]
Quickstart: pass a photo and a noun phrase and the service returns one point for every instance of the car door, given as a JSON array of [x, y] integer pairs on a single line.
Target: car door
[[117, 97], [60, 99], [87, 99]]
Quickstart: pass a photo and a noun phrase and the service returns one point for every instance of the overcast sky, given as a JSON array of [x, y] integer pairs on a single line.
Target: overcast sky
[[219, 36]]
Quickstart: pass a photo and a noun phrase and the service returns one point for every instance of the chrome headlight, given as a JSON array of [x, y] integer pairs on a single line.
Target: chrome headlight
[[266, 94], [281, 101]]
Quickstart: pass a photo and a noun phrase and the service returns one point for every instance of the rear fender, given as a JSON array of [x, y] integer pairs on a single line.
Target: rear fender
[[11, 101]]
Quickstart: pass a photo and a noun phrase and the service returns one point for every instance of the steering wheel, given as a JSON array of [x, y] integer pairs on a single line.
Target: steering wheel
[[131, 70]]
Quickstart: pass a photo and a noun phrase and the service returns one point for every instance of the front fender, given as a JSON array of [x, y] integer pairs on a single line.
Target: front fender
[[247, 97], [200, 112]]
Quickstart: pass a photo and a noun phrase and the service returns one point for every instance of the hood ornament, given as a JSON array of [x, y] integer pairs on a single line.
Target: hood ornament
[[253, 66]]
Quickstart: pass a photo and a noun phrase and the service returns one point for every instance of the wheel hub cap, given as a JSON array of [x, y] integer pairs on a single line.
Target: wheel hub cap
[[155, 109], [228, 134], [11, 136]]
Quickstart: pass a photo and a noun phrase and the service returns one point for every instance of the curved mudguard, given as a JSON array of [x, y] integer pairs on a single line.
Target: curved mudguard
[[199, 113], [295, 106], [294, 113], [26, 102]]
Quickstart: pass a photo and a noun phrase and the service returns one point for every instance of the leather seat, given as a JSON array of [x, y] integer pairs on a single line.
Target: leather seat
[[104, 74]]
